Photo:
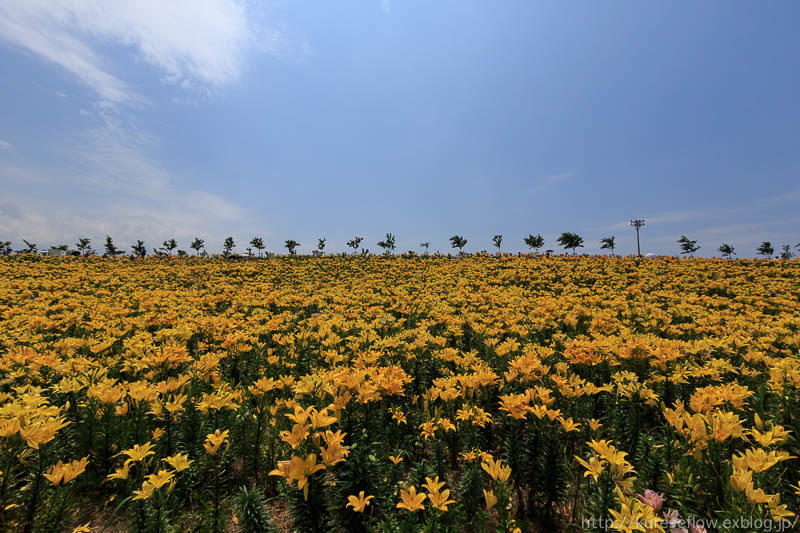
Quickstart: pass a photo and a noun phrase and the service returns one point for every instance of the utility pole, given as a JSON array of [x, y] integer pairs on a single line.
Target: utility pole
[[638, 223]]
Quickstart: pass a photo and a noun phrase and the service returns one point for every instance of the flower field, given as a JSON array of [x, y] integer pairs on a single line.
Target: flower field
[[398, 394]]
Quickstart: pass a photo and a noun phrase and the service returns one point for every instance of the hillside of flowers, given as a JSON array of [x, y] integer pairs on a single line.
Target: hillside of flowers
[[399, 394]]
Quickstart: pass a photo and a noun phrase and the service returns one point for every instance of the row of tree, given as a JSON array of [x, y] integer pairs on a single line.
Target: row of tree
[[567, 240], [766, 249]]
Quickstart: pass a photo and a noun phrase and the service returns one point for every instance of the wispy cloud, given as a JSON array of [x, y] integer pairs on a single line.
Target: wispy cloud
[[670, 217], [4, 145], [549, 182], [141, 202], [660, 234], [750, 234], [785, 197]]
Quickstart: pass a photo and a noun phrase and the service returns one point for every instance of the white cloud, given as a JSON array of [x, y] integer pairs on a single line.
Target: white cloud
[[193, 43], [4, 145], [106, 180]]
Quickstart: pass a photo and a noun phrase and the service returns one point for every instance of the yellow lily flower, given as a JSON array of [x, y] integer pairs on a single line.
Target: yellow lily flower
[[358, 503]]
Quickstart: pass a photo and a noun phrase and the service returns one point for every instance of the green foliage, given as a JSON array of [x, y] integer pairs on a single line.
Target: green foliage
[[139, 249], [83, 245], [111, 249], [726, 250], [388, 243], [457, 241], [497, 240], [570, 241], [469, 493], [291, 245], [688, 246], [766, 249], [252, 512], [607, 243], [258, 244], [227, 246], [311, 514], [354, 243], [534, 241], [169, 245], [361, 472], [197, 245]]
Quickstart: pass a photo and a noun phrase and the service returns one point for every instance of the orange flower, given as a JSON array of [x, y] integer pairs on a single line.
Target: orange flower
[[490, 498], [179, 461], [411, 500], [358, 503], [61, 473], [214, 441], [298, 470], [496, 469], [139, 453], [436, 496]]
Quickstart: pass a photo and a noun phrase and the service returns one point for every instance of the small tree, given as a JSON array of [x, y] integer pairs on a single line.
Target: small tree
[[320, 247], [688, 246], [786, 252], [425, 245], [355, 243], [497, 240], [457, 241], [534, 241], [766, 249], [111, 249], [607, 243], [31, 247], [258, 244], [5, 247], [139, 249], [291, 245], [227, 246], [169, 245], [387, 243], [726, 250], [570, 241], [197, 245], [84, 245]]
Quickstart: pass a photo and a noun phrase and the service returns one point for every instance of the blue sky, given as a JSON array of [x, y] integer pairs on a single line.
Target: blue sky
[[300, 120]]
